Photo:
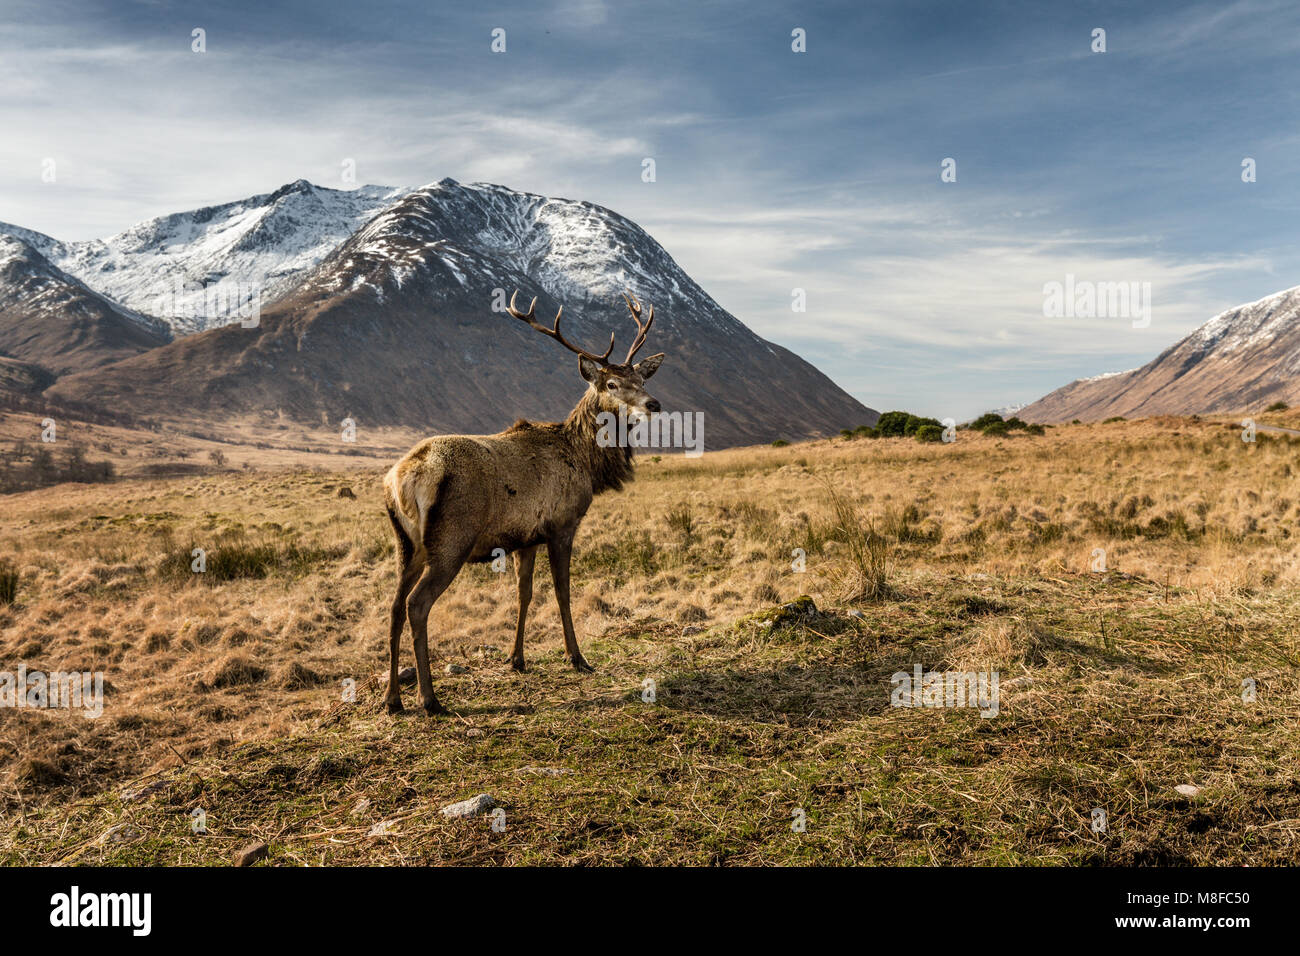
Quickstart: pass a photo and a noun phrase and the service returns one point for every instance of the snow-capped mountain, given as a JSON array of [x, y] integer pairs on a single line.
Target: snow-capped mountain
[[261, 245], [52, 321], [1240, 360], [403, 324]]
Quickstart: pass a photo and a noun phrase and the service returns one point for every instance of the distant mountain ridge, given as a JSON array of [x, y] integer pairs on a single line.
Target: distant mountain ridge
[[52, 321], [399, 322], [1244, 357], [269, 240]]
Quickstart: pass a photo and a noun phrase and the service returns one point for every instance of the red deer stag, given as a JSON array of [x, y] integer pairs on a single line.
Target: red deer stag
[[459, 498]]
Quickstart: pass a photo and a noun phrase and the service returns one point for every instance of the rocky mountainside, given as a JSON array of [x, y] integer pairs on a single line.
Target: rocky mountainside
[[1242, 359], [51, 324], [399, 326]]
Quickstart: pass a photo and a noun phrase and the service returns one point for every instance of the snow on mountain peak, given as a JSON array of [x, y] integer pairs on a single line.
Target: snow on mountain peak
[[266, 241], [1246, 326], [466, 235]]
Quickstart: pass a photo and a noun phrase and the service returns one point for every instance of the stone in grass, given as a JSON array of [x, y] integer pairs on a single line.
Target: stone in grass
[[472, 807], [1187, 789], [251, 853], [454, 668], [798, 611]]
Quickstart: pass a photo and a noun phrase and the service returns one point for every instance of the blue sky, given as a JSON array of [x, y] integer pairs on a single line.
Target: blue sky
[[775, 170]]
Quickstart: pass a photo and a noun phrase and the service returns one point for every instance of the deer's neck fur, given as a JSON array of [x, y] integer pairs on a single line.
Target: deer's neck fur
[[610, 466]]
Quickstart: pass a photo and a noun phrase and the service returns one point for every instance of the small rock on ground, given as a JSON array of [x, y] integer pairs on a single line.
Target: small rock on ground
[[469, 808], [251, 853]]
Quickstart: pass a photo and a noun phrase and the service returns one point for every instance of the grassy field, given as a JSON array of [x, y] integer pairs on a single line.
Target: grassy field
[[1123, 580]]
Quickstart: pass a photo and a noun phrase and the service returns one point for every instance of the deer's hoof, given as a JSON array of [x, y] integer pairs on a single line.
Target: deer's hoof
[[432, 708], [517, 664], [394, 706], [581, 666]]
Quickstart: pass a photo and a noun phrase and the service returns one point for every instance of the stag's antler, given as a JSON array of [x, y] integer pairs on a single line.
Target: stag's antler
[[554, 330], [641, 330]]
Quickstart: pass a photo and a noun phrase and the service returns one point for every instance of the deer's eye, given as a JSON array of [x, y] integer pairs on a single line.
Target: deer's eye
[[612, 385]]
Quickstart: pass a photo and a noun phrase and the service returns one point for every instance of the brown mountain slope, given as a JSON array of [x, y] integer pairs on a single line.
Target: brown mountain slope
[[1242, 359], [397, 327], [51, 320]]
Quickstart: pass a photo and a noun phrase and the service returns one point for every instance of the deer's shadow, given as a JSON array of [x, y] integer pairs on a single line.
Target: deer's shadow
[[791, 695]]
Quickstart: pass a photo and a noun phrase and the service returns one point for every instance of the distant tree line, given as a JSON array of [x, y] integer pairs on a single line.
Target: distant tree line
[[900, 424], [64, 410], [25, 467]]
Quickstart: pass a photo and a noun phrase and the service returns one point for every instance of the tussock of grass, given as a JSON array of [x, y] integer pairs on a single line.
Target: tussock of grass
[[237, 557], [8, 583], [232, 671]]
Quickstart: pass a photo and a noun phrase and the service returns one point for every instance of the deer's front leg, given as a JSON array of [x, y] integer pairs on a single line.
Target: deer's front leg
[[558, 551], [525, 558]]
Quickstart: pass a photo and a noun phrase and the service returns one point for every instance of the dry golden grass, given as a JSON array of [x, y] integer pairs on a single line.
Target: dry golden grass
[[1116, 686]]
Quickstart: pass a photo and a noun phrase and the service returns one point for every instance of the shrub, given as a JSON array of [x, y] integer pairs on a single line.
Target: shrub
[[929, 433], [780, 443], [1277, 407], [996, 428], [1121, 418], [985, 420], [915, 422], [891, 424], [899, 424]]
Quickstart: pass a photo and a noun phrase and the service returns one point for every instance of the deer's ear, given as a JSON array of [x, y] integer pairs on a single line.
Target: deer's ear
[[590, 370], [648, 366]]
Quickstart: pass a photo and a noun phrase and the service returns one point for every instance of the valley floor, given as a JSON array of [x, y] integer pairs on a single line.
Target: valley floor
[[1135, 586]]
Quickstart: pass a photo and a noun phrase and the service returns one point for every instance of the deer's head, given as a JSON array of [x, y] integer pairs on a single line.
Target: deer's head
[[618, 387]]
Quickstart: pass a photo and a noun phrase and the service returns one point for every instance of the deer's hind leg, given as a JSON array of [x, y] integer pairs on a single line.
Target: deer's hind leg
[[444, 554], [525, 559], [409, 567]]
